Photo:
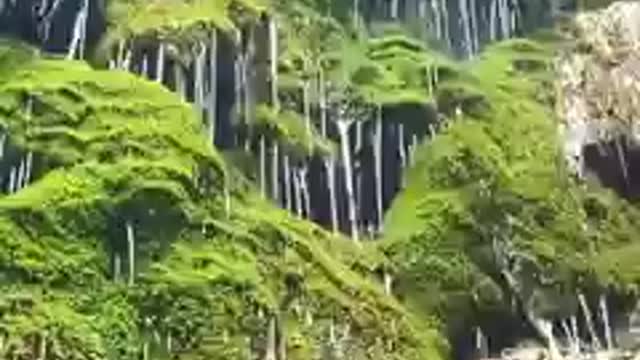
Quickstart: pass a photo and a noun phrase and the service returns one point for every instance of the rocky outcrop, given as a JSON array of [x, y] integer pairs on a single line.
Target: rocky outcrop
[[599, 96]]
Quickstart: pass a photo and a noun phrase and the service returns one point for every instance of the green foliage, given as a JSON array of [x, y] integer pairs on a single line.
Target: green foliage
[[289, 129], [496, 175], [32, 321], [109, 149], [178, 19], [67, 112], [585, 5], [387, 69], [379, 72], [42, 323]]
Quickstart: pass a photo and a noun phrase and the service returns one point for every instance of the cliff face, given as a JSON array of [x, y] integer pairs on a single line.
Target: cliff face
[[124, 234], [50, 24], [599, 96], [252, 179], [500, 225]]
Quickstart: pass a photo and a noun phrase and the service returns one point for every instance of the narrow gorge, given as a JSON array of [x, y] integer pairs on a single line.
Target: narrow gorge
[[319, 179]]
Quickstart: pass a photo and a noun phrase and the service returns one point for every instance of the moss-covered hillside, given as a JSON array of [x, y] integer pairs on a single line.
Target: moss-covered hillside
[[501, 230], [119, 164], [301, 180]]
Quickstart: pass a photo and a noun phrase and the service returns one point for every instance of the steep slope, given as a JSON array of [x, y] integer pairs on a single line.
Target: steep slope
[[599, 93], [501, 236], [124, 234], [141, 216]]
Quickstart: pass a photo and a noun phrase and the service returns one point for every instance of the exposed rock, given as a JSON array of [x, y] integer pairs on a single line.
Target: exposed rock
[[599, 85]]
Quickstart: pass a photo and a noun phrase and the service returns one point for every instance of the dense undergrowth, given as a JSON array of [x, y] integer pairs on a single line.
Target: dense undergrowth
[[211, 265], [495, 181], [124, 234]]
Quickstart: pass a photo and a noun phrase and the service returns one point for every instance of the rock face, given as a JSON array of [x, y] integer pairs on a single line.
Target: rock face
[[599, 95]]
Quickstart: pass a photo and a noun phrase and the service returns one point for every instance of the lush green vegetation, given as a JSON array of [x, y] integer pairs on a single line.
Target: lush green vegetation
[[496, 178], [110, 149], [133, 237], [179, 19]]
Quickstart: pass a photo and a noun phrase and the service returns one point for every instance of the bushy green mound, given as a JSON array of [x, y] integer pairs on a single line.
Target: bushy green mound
[[290, 130], [119, 164], [493, 184], [179, 19]]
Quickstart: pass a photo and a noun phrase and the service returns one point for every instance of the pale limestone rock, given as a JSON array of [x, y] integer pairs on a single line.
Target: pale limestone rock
[[599, 80]]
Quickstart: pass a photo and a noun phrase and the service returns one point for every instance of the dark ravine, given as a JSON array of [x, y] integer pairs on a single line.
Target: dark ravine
[[425, 134]]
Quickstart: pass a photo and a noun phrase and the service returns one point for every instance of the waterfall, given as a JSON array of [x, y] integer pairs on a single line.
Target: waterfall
[[160, 63], [12, 181], [275, 172], [19, 182], [297, 190], [422, 9], [287, 184], [29, 167], [77, 45], [263, 166], [144, 67], [343, 130], [330, 167], [437, 18], [378, 169], [304, 188], [445, 24], [394, 9], [492, 20], [460, 25], [474, 27], [466, 28], [595, 341], [198, 80], [131, 251], [212, 99], [273, 61]]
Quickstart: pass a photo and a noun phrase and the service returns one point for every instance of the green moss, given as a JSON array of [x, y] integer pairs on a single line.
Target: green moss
[[177, 19], [64, 325], [382, 72], [110, 149], [389, 70], [497, 171], [290, 130], [69, 113]]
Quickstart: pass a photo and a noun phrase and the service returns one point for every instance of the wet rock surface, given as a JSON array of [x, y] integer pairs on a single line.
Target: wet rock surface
[[599, 97]]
